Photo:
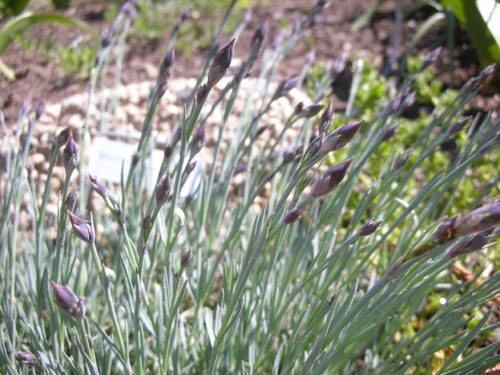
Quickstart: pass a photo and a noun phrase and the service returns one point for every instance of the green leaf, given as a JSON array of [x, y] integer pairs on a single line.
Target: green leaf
[[19, 24], [468, 14]]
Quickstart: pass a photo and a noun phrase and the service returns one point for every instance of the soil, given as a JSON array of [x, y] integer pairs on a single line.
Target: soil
[[40, 78]]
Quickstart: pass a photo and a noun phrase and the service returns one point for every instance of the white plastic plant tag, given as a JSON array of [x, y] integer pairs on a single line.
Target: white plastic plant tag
[[107, 157]]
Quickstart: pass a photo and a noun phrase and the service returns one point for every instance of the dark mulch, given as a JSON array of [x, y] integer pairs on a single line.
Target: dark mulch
[[41, 78]]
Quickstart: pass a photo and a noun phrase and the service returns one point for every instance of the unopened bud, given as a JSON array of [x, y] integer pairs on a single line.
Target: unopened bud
[[369, 228], [68, 302], [167, 152], [480, 219], [285, 87], [291, 155], [341, 136], [70, 155], [163, 190], [321, 187], [431, 58], [458, 125], [325, 119], [26, 358], [291, 216], [475, 82], [259, 35], [311, 110], [445, 230], [98, 186], [338, 172], [40, 108], [81, 229], [201, 94], [146, 224], [63, 137], [389, 132], [167, 65], [71, 199], [186, 257], [402, 159], [221, 62]]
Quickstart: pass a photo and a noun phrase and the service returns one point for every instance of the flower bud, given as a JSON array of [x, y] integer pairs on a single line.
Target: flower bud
[[221, 62], [369, 228], [259, 35], [480, 219], [298, 108], [338, 172], [291, 216], [201, 94], [340, 64], [68, 302], [198, 140], [146, 224], [167, 152], [40, 108], [70, 155], [71, 199], [321, 187], [99, 186], [311, 110], [186, 257], [63, 137], [285, 86], [325, 119], [167, 65], [389, 132], [431, 58], [163, 190], [341, 136], [445, 230], [81, 229], [458, 125], [403, 159], [26, 358], [291, 155], [474, 83]]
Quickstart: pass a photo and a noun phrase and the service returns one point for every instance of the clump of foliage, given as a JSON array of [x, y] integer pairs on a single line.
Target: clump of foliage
[[306, 282]]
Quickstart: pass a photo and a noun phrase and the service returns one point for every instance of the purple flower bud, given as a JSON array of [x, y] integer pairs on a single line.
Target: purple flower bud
[[186, 257], [81, 229], [285, 87], [163, 190], [291, 155], [477, 242], [311, 56], [403, 159], [68, 302], [201, 94], [458, 125], [325, 119], [187, 13], [190, 167], [167, 152], [161, 90], [311, 110], [259, 35], [480, 219], [167, 65], [221, 62], [316, 146], [389, 132], [70, 155], [340, 64], [298, 108], [338, 172], [291, 216], [146, 224], [63, 137], [198, 141], [431, 58], [261, 130], [321, 187], [40, 108], [445, 230], [177, 134], [71, 199], [341, 136], [369, 228], [135, 159], [408, 101], [26, 358], [98, 186], [474, 83]]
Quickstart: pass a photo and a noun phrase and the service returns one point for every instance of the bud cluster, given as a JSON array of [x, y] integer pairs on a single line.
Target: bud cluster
[[68, 302]]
